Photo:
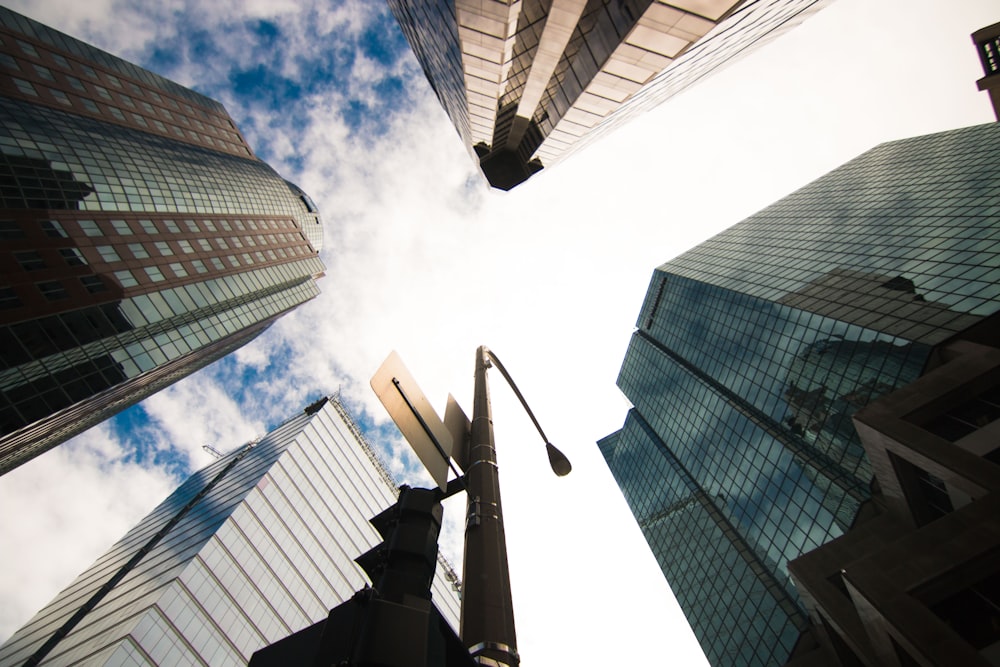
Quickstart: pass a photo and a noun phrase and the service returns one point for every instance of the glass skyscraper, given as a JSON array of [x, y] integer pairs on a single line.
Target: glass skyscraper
[[753, 351], [257, 545], [526, 83], [142, 239]]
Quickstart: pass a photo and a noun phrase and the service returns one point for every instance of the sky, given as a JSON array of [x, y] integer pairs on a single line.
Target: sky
[[424, 259]]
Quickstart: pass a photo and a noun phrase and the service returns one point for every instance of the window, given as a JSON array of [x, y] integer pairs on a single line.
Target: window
[[126, 279], [154, 273], [8, 62], [192, 225], [8, 298], [89, 105], [967, 417], [148, 227], [30, 260], [89, 227], [60, 97], [44, 73], [117, 113], [121, 227], [973, 612], [27, 48], [225, 225], [59, 60], [76, 83], [217, 263], [171, 226], [178, 269], [10, 230], [233, 261], [54, 229], [209, 225], [205, 245], [72, 256], [103, 92], [25, 87], [108, 253], [113, 80], [53, 290], [222, 244], [138, 250], [237, 242], [185, 246], [164, 248], [93, 284], [199, 266]]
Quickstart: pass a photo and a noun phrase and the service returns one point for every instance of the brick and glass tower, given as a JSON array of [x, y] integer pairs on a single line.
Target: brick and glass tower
[[253, 547], [526, 83], [753, 352], [141, 237]]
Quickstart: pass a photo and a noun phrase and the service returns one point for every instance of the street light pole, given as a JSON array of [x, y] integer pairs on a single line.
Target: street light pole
[[487, 624]]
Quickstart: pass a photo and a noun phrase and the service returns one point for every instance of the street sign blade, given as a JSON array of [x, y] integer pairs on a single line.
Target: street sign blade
[[414, 416], [458, 425]]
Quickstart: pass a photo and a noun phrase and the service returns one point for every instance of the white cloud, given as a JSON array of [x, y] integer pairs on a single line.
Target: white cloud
[[196, 412], [63, 510]]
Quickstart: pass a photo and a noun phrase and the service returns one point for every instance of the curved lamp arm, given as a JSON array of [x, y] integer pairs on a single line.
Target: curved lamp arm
[[560, 464]]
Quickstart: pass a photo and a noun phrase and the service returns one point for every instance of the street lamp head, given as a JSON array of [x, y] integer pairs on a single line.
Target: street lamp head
[[560, 464]]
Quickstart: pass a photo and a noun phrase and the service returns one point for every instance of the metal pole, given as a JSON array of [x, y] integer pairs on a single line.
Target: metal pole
[[487, 624]]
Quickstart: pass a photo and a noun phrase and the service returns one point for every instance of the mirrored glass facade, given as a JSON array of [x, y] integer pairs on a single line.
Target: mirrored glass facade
[[141, 238], [255, 546], [753, 351], [526, 83]]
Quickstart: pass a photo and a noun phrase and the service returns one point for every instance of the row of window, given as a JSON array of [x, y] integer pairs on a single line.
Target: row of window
[[33, 260], [81, 55], [183, 113], [123, 227], [53, 290], [10, 230], [89, 72], [28, 88]]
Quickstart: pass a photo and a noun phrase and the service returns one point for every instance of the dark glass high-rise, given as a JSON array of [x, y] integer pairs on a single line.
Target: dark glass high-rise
[[141, 237], [752, 352]]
